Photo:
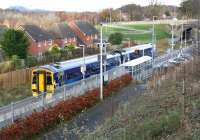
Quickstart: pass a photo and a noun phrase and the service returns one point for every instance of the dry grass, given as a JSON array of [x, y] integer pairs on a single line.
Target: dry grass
[[161, 113]]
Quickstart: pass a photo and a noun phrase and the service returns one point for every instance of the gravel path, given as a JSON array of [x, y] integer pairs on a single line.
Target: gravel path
[[92, 118]]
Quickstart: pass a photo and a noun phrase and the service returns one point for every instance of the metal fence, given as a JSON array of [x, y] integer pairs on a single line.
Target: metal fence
[[23, 108], [164, 58]]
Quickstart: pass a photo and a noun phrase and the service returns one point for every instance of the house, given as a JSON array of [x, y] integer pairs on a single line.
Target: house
[[77, 33], [39, 39], [86, 32], [63, 35]]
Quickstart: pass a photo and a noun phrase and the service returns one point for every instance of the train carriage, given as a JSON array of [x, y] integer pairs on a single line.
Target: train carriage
[[51, 77]]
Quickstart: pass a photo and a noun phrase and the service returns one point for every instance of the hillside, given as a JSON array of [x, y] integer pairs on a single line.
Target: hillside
[[162, 112], [17, 15], [136, 12]]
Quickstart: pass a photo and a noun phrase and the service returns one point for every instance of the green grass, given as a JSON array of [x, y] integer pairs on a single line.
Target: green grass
[[15, 94], [142, 34], [153, 129]]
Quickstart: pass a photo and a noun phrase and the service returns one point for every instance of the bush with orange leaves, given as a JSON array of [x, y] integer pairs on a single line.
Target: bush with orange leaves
[[65, 110]]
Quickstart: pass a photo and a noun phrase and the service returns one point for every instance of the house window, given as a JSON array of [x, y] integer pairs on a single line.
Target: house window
[[40, 54], [49, 42], [39, 44], [65, 41], [95, 36]]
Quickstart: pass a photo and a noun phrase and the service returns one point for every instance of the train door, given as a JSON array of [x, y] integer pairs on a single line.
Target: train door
[[49, 82], [34, 83], [42, 81], [60, 79]]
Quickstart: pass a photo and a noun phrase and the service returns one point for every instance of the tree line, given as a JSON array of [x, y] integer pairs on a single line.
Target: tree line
[[130, 12]]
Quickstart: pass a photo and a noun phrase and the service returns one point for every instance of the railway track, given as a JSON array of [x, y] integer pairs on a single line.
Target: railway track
[[23, 108]]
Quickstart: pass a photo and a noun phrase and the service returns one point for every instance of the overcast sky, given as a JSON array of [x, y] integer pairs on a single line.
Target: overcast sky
[[78, 5]]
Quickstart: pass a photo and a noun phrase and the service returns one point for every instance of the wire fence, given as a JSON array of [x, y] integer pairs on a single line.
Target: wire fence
[[23, 108]]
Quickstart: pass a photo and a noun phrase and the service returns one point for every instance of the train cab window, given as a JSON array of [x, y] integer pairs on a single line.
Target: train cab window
[[49, 80], [34, 79]]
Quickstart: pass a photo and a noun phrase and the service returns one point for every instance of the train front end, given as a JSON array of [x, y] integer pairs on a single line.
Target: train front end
[[42, 82]]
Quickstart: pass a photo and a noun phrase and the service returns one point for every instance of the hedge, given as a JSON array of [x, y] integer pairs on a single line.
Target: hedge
[[63, 111]]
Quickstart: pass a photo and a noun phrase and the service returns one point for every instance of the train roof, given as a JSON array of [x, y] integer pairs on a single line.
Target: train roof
[[61, 66], [69, 64], [138, 47]]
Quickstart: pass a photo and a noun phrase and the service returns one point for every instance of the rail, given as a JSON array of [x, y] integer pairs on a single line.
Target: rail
[[23, 108]]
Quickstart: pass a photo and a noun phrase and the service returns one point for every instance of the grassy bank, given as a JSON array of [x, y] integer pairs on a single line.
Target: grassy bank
[[14, 94], [138, 33], [163, 112]]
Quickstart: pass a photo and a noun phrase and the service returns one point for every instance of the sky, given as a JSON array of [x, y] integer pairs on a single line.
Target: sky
[[78, 5]]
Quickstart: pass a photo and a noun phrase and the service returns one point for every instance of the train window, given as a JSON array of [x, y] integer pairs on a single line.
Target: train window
[[34, 79], [60, 80], [74, 75], [65, 76], [49, 80]]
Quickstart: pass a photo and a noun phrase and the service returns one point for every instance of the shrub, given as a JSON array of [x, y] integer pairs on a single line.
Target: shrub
[[31, 61], [14, 42], [70, 47], [16, 62], [152, 129], [54, 49], [64, 110], [116, 38]]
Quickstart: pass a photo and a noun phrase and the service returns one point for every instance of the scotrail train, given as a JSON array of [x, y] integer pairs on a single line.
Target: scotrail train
[[48, 78]]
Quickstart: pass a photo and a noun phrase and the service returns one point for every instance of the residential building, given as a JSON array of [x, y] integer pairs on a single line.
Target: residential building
[[39, 39], [77, 33], [63, 35], [86, 32]]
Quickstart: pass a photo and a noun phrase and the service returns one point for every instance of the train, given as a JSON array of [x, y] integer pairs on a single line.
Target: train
[[48, 78]]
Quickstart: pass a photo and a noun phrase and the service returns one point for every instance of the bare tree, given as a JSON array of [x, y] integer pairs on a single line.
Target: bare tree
[[154, 8]]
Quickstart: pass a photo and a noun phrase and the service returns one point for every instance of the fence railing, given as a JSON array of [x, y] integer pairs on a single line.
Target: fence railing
[[23, 108], [15, 78], [20, 109], [164, 58]]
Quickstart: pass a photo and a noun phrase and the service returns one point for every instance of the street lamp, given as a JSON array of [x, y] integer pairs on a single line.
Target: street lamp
[[153, 38], [101, 64], [181, 37], [172, 40], [101, 61], [105, 53], [83, 68]]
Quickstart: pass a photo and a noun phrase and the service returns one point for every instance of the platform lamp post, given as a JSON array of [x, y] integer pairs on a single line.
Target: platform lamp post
[[101, 63], [105, 53], [182, 31], [153, 39], [83, 68], [172, 39]]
